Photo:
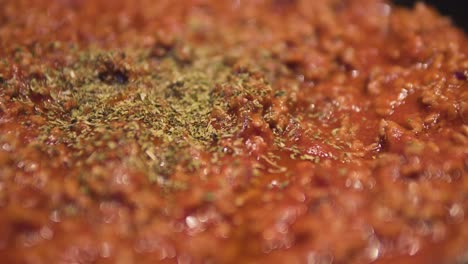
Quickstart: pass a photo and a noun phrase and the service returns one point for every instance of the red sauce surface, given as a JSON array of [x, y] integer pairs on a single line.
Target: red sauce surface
[[347, 143]]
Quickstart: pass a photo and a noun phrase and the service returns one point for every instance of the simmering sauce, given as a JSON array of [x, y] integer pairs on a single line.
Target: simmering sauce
[[206, 131]]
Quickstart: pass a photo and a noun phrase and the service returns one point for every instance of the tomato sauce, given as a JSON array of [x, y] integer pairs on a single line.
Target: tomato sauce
[[199, 131]]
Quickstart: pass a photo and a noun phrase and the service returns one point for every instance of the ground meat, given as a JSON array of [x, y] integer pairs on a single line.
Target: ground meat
[[264, 131]]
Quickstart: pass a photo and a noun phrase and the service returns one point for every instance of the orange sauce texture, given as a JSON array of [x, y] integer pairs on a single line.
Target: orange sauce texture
[[355, 153]]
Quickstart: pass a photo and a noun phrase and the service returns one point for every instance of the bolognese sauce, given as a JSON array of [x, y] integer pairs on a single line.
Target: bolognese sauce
[[203, 131]]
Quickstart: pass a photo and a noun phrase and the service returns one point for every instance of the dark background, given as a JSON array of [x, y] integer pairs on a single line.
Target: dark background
[[456, 9]]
